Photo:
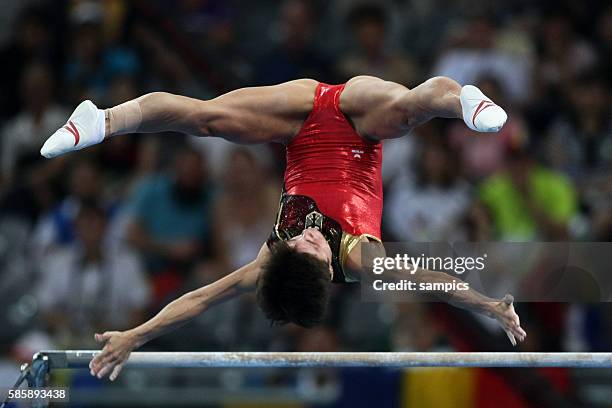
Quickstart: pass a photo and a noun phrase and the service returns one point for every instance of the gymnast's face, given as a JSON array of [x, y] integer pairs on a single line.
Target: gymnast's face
[[312, 242]]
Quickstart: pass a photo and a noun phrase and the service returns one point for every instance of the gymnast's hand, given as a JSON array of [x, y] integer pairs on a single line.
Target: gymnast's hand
[[503, 312], [114, 354]]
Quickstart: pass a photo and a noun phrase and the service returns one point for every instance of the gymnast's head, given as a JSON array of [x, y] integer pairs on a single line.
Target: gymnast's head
[[294, 284]]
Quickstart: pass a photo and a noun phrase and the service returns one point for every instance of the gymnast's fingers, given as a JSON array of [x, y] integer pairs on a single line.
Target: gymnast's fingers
[[519, 333], [511, 337], [95, 362], [103, 358], [116, 372], [100, 356], [106, 369], [104, 337]]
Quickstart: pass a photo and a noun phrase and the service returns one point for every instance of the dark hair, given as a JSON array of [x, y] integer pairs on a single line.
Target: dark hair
[[293, 287]]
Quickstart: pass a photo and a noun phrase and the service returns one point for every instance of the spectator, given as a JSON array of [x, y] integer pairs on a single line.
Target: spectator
[[428, 205], [41, 116], [84, 289], [212, 26], [244, 208], [296, 56], [528, 201], [368, 25], [476, 55], [93, 63], [580, 141], [31, 45], [57, 228], [564, 55], [169, 222]]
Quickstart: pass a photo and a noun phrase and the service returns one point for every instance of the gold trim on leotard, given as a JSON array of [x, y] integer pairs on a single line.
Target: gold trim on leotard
[[347, 243]]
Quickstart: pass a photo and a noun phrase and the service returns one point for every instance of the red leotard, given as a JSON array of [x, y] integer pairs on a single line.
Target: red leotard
[[330, 163]]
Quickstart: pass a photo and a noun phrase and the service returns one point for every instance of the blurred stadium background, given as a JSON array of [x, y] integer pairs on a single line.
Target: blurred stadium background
[[104, 238]]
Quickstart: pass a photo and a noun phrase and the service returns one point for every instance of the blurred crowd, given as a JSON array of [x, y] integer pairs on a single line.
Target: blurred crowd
[[103, 238]]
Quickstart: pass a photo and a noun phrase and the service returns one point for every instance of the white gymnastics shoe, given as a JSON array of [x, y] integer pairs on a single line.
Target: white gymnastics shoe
[[84, 128], [479, 113]]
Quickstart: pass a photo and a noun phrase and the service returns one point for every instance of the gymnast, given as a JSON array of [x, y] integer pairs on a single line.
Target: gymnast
[[332, 197]]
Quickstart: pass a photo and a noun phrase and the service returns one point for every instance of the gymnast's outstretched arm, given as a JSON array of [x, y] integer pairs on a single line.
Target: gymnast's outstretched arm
[[501, 310], [118, 345]]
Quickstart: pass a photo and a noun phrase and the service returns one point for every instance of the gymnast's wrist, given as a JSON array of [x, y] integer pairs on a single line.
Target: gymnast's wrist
[[490, 308], [138, 337]]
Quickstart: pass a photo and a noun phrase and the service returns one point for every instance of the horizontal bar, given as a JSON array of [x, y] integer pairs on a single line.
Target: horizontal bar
[[81, 359]]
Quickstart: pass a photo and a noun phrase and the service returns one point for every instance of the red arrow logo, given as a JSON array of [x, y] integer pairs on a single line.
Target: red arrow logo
[[482, 106], [75, 132]]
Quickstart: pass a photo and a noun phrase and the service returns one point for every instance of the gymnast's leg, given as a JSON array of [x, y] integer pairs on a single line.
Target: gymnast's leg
[[246, 116], [384, 110]]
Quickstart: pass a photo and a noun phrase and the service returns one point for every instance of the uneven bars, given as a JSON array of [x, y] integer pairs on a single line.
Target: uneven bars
[[81, 359]]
